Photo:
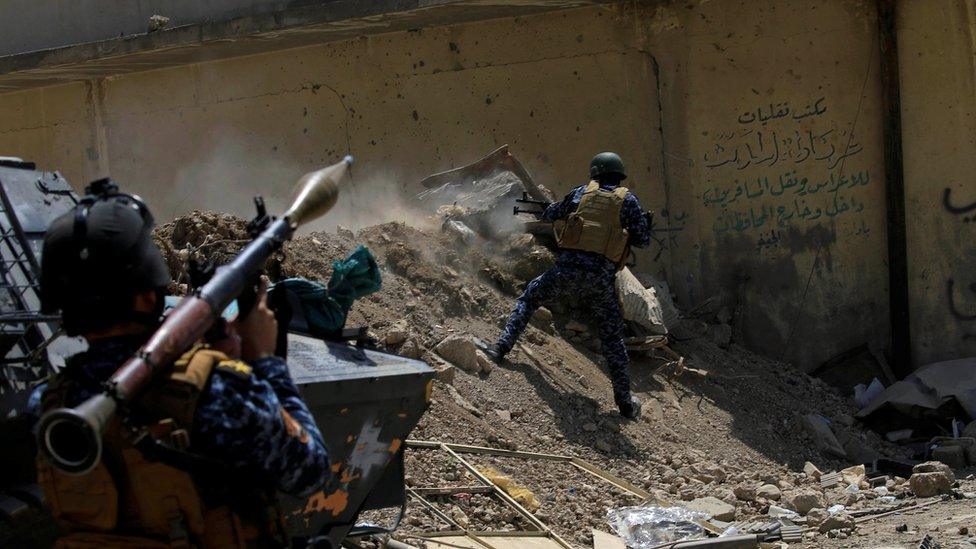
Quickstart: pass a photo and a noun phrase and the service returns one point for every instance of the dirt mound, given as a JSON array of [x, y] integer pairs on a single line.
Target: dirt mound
[[739, 425]]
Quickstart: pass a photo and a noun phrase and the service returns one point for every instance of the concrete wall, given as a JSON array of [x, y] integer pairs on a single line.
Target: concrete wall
[[774, 153], [770, 165], [43, 25], [938, 99]]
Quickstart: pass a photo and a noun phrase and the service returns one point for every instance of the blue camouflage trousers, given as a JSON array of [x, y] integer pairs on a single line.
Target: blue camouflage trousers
[[595, 291]]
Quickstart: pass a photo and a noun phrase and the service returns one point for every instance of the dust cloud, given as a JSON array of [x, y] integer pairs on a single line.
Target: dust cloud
[[232, 171]]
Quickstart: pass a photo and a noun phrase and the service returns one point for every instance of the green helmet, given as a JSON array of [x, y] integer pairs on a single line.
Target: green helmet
[[607, 163]]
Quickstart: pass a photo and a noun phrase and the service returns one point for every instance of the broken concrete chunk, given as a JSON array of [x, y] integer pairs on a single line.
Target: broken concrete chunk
[[853, 475], [713, 507], [811, 471], [805, 501], [968, 445], [838, 521], [461, 351], [930, 484], [817, 428], [931, 478], [746, 491], [639, 304], [953, 456]]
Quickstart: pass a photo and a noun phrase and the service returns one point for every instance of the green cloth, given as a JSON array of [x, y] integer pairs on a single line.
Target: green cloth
[[326, 308]]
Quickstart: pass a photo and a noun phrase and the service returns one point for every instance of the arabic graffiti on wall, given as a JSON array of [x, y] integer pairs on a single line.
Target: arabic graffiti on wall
[[665, 235], [780, 136], [956, 304], [764, 202], [783, 167]]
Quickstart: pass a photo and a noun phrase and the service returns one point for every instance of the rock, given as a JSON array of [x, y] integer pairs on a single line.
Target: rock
[[769, 491], [397, 333], [817, 428], [604, 446], [934, 467], [589, 427], [713, 507], [811, 471], [853, 475], [576, 326], [711, 472], [803, 502], [542, 319], [816, 516], [484, 363], [969, 430], [443, 371], [746, 491], [720, 334], [461, 351], [953, 456], [931, 478], [687, 494], [839, 521], [463, 402], [411, 349]]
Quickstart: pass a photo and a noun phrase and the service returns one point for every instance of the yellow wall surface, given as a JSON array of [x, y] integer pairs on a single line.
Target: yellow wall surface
[[760, 139], [773, 147], [936, 50]]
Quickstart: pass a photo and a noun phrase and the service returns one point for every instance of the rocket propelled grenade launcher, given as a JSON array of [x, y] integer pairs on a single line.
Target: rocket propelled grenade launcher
[[72, 437]]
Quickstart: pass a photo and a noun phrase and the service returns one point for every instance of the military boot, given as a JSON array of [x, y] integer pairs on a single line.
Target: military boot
[[492, 351], [630, 407]]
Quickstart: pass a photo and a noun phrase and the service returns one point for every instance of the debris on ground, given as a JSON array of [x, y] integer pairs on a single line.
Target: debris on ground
[[747, 440]]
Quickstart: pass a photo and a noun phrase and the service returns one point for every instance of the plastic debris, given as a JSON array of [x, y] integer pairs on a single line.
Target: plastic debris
[[645, 527], [834, 509]]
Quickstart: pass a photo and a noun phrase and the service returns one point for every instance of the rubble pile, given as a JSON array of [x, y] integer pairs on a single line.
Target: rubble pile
[[742, 440]]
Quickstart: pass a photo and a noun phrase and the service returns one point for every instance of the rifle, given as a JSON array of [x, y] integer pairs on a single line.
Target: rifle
[[72, 437], [526, 200]]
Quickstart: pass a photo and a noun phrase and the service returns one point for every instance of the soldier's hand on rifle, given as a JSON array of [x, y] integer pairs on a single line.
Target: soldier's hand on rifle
[[259, 329]]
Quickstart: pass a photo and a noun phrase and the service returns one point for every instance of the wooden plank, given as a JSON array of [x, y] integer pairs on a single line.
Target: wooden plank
[[451, 490], [513, 541], [468, 449], [612, 479]]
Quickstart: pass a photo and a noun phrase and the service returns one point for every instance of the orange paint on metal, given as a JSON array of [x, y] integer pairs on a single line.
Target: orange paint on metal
[[348, 477], [335, 502], [336, 466], [395, 445], [350, 438]]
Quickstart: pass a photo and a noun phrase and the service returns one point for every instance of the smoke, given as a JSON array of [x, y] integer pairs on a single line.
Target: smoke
[[231, 170]]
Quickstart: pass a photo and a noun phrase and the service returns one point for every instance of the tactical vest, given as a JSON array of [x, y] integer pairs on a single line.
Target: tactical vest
[[595, 225], [137, 498]]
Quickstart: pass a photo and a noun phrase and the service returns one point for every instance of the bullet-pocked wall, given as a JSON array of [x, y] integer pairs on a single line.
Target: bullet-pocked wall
[[769, 173], [938, 98]]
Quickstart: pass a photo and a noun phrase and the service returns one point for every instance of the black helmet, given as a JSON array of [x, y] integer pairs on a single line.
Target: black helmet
[[97, 257], [607, 163]]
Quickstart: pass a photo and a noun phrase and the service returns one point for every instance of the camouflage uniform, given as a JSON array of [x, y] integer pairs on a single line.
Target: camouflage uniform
[[589, 277], [243, 421]]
